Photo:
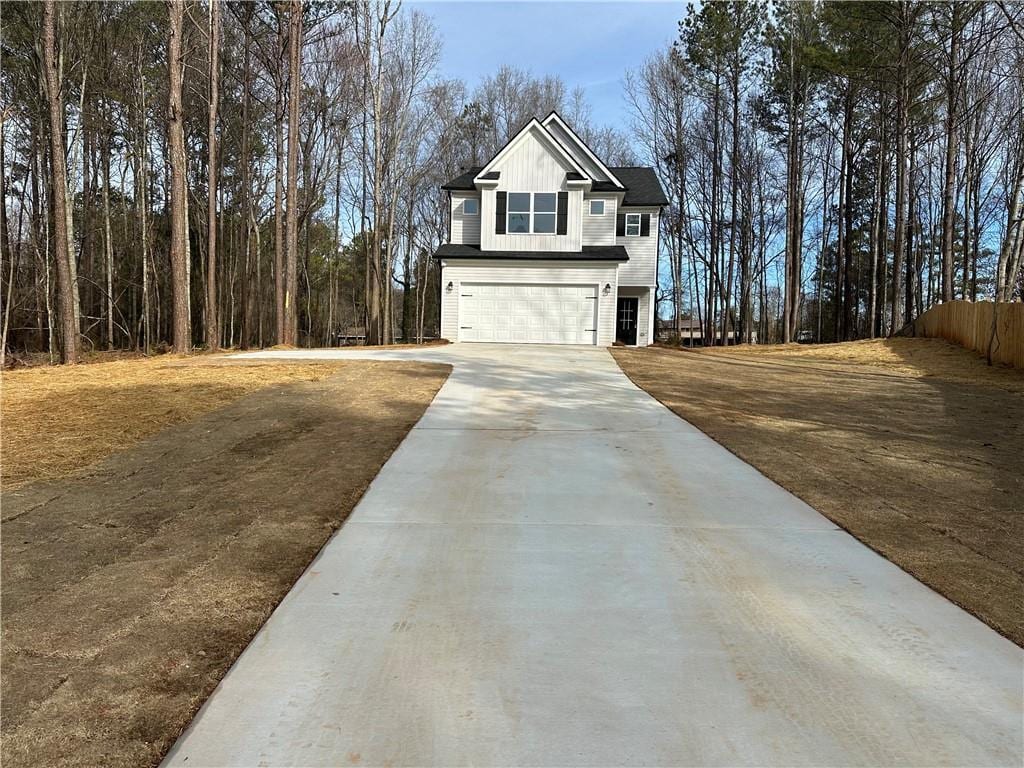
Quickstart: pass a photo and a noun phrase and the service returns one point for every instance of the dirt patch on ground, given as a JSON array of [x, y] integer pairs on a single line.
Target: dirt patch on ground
[[912, 445], [128, 590], [60, 420]]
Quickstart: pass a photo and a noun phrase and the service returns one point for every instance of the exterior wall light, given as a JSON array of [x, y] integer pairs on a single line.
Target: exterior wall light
[[607, 288], [449, 286]]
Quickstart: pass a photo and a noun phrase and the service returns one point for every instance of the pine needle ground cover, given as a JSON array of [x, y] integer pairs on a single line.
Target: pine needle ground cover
[[912, 445], [130, 583]]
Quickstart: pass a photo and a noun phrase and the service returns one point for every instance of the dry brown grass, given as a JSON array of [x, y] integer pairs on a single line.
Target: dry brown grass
[[58, 420], [912, 445], [129, 589], [919, 358]]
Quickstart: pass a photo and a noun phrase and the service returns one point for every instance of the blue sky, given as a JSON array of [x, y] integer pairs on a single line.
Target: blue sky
[[590, 44]]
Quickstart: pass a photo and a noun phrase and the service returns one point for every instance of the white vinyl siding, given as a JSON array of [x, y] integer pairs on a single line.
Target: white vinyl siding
[[529, 273], [533, 165], [465, 226], [642, 267], [599, 230]]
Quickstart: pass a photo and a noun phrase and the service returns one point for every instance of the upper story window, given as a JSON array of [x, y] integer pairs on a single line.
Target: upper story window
[[632, 225], [471, 206], [597, 207], [531, 212]]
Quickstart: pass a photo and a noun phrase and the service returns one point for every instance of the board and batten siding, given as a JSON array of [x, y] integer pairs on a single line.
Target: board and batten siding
[[642, 267], [599, 230], [597, 274], [569, 144], [465, 227], [531, 167]]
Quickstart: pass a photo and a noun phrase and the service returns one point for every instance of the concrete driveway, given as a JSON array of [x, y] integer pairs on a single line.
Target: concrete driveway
[[553, 569]]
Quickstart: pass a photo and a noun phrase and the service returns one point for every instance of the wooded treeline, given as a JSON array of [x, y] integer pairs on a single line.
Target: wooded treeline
[[240, 174], [237, 174], [835, 168]]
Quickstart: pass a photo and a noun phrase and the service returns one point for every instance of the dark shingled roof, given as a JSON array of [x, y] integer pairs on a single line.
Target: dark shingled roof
[[573, 176], [492, 175], [642, 185], [465, 181], [588, 253]]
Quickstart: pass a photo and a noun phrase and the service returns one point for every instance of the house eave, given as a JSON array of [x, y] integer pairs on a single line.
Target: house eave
[[594, 253]]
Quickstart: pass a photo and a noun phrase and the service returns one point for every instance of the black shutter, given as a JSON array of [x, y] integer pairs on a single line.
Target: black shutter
[[620, 225], [499, 213], [645, 225], [563, 212]]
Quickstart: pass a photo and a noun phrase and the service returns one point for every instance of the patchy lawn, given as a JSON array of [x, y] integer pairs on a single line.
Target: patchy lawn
[[130, 585], [58, 420], [912, 445]]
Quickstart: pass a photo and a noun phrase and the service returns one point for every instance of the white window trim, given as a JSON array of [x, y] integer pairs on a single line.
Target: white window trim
[[628, 225], [470, 200], [590, 208], [530, 213]]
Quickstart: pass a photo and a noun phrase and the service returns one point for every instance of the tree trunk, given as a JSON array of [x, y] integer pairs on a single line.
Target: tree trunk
[[1013, 239], [913, 272], [142, 195], [291, 317], [6, 254], [180, 259], [70, 198], [715, 234], [58, 189], [792, 277], [87, 252], [798, 240], [108, 247], [245, 334], [211, 321], [952, 147], [734, 186], [877, 245], [826, 230], [965, 282], [849, 298], [279, 244], [902, 165]]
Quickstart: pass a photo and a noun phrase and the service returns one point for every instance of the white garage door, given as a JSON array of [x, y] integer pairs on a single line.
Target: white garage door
[[528, 314]]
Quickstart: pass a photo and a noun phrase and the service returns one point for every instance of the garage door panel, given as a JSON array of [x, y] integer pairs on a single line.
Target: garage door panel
[[528, 313]]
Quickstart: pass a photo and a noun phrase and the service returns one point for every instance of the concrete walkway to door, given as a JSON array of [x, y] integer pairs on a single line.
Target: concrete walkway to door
[[553, 569]]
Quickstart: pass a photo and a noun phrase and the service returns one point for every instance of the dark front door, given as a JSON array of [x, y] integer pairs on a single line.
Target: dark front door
[[625, 319]]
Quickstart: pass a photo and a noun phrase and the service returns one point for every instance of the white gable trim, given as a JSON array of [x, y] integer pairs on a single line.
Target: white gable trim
[[553, 117], [518, 139]]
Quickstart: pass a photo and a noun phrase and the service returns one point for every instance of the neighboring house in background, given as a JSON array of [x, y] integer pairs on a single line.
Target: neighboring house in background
[[548, 245], [692, 334]]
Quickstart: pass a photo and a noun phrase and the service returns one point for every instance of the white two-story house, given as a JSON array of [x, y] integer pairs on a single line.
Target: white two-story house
[[548, 245]]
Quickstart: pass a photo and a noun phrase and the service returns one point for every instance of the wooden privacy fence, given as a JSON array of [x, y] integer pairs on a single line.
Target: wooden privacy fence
[[971, 325]]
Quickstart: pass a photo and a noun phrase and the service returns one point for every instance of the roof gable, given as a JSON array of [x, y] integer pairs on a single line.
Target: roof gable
[[551, 145], [578, 145]]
